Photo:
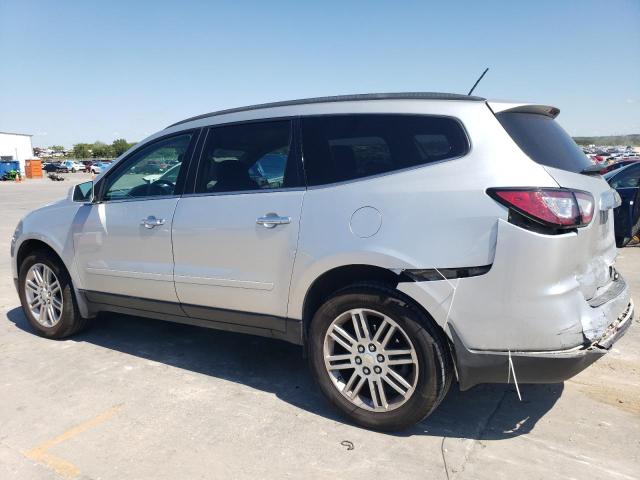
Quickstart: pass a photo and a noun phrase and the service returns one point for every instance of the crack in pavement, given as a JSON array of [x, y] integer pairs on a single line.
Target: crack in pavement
[[481, 431]]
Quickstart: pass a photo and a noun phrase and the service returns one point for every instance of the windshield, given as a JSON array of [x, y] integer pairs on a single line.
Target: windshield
[[618, 171], [609, 175], [544, 141]]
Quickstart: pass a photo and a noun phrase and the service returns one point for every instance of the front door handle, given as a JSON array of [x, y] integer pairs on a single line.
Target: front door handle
[[151, 222], [272, 220]]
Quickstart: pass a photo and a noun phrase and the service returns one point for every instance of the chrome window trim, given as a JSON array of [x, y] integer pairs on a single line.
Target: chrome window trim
[[244, 192]]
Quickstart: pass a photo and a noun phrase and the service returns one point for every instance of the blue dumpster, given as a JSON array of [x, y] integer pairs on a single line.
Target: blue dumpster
[[8, 166]]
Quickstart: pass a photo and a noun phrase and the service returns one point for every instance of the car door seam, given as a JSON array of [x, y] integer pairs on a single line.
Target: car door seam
[[173, 256], [295, 251]]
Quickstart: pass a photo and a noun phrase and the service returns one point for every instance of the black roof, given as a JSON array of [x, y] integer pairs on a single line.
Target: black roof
[[342, 98]]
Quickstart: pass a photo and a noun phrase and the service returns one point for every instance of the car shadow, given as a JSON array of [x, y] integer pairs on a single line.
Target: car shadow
[[484, 412]]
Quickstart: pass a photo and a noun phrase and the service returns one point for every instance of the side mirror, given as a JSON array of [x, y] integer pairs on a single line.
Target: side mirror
[[83, 192]]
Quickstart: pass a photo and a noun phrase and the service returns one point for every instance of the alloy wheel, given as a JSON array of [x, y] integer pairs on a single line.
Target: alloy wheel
[[44, 295], [370, 360]]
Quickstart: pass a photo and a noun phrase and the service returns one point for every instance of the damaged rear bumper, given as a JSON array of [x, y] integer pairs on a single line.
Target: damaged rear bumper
[[479, 366]]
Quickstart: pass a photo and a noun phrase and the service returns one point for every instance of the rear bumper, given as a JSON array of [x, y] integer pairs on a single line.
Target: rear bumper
[[534, 297], [476, 366]]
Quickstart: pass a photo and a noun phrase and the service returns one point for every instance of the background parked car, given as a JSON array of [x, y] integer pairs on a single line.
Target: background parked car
[[148, 168], [268, 170], [626, 181], [56, 167], [99, 167], [63, 167], [170, 175], [74, 166]]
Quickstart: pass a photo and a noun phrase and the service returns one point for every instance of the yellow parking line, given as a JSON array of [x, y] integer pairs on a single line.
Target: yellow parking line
[[59, 465]]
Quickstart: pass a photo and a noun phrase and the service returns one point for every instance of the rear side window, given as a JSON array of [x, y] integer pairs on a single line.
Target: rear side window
[[338, 148], [544, 140], [247, 157]]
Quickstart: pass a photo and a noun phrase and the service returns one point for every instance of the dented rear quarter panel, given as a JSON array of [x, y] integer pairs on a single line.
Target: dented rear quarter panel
[[530, 300]]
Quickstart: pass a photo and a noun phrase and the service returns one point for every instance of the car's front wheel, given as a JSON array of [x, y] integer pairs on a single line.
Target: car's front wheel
[[377, 358], [47, 298]]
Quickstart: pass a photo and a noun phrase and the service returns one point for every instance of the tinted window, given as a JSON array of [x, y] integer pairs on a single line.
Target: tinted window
[[251, 156], [544, 141], [627, 178], [142, 175], [345, 147]]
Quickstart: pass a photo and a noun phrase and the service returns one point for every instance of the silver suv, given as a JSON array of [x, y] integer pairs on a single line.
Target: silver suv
[[405, 240]]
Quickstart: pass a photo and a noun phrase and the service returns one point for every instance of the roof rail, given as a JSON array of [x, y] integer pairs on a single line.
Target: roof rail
[[340, 98]]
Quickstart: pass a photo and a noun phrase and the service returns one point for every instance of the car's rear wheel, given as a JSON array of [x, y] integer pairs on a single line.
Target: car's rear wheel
[[47, 298], [377, 358]]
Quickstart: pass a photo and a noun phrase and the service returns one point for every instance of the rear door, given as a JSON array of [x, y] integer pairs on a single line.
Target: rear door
[[534, 129], [235, 235]]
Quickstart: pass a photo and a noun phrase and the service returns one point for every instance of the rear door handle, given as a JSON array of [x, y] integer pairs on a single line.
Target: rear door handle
[[151, 222], [272, 220]]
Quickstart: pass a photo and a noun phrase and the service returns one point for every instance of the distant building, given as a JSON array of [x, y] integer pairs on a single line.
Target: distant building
[[16, 146]]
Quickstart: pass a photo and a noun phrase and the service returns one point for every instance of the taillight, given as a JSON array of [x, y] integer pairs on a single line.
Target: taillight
[[554, 209], [586, 206]]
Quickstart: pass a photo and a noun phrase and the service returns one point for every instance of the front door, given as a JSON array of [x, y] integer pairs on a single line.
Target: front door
[[123, 241], [235, 237]]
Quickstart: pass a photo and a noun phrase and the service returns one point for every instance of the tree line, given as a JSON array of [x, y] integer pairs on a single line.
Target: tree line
[[96, 149], [633, 140], [101, 149]]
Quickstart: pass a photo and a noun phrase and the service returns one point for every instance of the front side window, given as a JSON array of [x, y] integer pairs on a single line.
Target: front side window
[[245, 157], [151, 172], [338, 148]]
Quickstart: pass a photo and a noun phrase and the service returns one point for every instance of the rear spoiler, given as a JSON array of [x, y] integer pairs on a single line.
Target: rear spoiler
[[549, 111]]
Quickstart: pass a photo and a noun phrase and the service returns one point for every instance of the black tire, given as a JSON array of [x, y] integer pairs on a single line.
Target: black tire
[[434, 359], [622, 241], [71, 321]]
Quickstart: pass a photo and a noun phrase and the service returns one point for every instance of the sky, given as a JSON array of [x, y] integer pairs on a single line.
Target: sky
[[81, 71]]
